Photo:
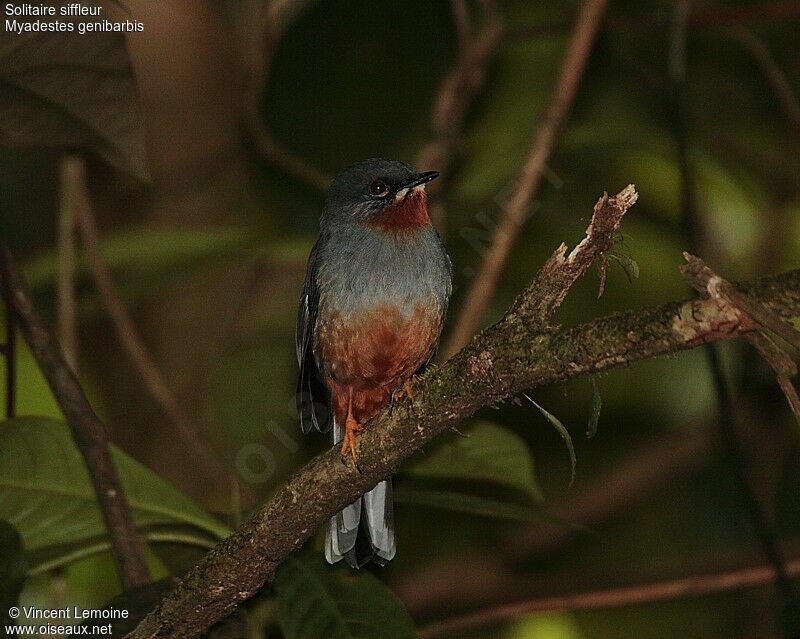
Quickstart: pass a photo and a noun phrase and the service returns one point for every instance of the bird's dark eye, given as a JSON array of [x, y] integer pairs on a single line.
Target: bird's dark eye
[[378, 188]]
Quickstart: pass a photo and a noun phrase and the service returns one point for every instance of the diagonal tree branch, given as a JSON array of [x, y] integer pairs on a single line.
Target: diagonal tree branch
[[129, 336], [88, 431], [442, 585], [456, 94], [706, 282], [775, 76], [71, 177], [740, 304], [461, 22], [529, 178], [506, 359], [262, 38]]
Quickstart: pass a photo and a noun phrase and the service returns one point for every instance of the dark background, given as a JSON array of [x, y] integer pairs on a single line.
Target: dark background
[[209, 255]]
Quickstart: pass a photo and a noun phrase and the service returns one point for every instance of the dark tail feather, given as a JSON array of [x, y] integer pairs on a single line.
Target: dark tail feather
[[364, 530]]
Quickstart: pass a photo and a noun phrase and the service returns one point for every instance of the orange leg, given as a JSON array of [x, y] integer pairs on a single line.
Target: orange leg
[[406, 390], [351, 428]]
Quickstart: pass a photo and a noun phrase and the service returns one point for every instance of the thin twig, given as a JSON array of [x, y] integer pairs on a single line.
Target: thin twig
[[783, 365], [88, 431], [695, 586], [714, 15], [642, 470], [281, 157], [461, 23], [261, 45], [457, 93], [9, 351], [775, 76], [70, 197], [132, 342], [69, 194], [764, 528], [706, 282], [561, 271], [677, 62], [530, 177], [790, 393]]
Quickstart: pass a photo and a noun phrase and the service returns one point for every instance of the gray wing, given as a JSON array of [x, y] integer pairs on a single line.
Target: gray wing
[[312, 397], [446, 270]]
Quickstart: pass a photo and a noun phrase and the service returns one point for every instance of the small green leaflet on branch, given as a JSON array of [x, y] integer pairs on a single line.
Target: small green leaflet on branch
[[316, 601], [628, 265], [562, 430]]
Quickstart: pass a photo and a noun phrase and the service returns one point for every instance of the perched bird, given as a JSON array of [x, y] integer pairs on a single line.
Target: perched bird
[[375, 295]]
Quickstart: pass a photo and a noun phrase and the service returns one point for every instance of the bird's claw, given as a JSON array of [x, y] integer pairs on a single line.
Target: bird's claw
[[351, 428], [406, 390]]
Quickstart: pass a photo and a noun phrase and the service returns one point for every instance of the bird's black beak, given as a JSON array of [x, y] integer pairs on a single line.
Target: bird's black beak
[[417, 180], [421, 178]]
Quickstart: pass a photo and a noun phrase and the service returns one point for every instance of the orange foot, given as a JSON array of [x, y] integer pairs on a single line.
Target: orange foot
[[406, 390], [351, 429]]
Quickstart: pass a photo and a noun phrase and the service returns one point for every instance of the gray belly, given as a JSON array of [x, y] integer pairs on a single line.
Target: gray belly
[[362, 269]]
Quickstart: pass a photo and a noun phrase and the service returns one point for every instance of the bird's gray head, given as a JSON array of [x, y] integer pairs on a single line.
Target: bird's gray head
[[385, 193]]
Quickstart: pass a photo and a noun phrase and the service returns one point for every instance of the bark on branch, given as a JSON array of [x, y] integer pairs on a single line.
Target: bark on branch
[[512, 356], [560, 272], [706, 282]]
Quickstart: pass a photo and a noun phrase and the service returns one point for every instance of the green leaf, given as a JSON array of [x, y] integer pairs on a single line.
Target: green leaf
[[468, 503], [628, 265], [13, 568], [137, 253], [46, 493], [597, 405], [316, 601], [52, 557], [562, 430], [488, 453]]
